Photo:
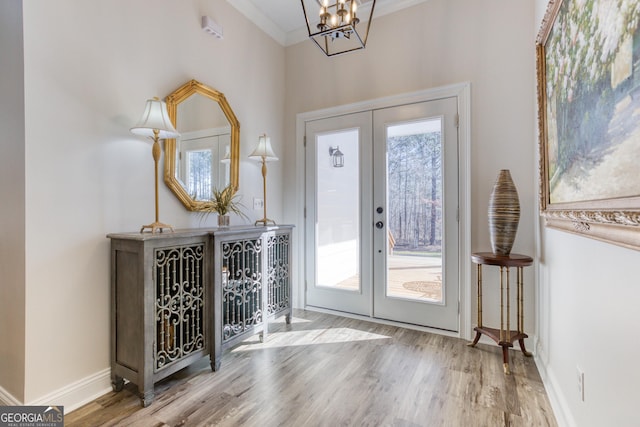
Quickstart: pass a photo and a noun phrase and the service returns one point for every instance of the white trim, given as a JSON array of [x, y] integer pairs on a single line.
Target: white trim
[[463, 92], [79, 393], [560, 407], [394, 6], [204, 133], [253, 14], [464, 190], [7, 398]]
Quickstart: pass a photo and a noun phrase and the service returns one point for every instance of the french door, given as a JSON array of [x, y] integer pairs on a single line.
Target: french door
[[381, 213], [338, 213]]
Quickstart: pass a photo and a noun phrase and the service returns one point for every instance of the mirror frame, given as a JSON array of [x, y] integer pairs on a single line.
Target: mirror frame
[[193, 87]]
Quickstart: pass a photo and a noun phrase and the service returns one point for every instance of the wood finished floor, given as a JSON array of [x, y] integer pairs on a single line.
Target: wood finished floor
[[325, 370]]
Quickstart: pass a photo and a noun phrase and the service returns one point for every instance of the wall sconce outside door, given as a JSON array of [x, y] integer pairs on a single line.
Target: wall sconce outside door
[[337, 158]]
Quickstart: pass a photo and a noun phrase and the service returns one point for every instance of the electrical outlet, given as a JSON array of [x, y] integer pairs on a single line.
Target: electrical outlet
[[580, 375], [258, 203]]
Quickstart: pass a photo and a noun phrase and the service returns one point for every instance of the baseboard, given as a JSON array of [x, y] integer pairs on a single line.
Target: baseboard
[[7, 399], [563, 415], [79, 393]]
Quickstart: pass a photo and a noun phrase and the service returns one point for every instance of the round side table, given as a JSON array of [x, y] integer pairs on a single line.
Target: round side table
[[505, 336]]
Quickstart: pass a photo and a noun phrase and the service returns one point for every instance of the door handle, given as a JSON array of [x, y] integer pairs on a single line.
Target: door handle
[[379, 225]]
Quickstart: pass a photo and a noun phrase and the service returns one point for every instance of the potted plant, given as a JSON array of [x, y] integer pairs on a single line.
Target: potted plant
[[223, 202]]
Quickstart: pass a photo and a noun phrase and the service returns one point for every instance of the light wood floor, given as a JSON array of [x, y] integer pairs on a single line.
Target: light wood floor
[[325, 370]]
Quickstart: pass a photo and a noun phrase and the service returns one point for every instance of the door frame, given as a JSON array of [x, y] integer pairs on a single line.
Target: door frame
[[462, 91]]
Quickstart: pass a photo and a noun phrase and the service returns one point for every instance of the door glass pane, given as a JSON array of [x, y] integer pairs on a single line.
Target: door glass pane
[[414, 206], [338, 210]]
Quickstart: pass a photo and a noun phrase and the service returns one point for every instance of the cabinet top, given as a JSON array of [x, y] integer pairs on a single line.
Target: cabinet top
[[197, 232]]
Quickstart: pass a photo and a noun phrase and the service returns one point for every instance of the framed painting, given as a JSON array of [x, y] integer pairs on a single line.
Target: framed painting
[[588, 69]]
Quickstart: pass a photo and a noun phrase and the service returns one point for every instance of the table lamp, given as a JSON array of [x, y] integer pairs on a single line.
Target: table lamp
[[264, 153], [155, 124]]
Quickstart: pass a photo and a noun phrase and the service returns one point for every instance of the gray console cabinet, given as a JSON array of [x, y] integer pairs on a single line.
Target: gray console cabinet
[[178, 297]]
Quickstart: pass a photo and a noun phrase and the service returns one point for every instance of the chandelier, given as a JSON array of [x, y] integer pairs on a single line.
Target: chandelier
[[333, 24]]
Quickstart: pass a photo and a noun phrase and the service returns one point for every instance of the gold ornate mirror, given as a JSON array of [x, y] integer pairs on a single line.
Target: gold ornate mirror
[[206, 155]]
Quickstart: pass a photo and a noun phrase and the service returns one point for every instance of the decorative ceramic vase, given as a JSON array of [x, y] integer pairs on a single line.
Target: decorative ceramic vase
[[504, 214], [223, 220]]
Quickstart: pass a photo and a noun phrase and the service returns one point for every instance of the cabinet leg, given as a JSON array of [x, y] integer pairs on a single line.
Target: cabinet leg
[[505, 360], [117, 383], [215, 364], [475, 340], [522, 347], [287, 318], [146, 398]]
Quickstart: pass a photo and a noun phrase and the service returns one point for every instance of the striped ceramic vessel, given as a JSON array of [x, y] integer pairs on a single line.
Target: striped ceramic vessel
[[504, 214]]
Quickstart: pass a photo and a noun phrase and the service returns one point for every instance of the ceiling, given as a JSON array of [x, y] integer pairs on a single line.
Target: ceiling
[[284, 20]]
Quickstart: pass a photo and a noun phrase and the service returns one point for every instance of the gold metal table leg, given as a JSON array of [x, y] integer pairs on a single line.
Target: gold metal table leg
[[501, 304], [479, 295]]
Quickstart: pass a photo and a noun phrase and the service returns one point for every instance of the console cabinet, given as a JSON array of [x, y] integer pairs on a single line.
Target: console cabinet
[[178, 297]]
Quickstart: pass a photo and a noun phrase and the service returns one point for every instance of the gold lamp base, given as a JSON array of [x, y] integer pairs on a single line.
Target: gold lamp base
[[265, 221], [156, 227]]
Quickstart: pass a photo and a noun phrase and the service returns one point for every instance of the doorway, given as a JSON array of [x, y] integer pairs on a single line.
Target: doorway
[[381, 202]]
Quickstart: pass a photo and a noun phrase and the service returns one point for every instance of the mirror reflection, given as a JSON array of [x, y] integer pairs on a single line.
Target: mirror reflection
[[205, 156], [203, 148]]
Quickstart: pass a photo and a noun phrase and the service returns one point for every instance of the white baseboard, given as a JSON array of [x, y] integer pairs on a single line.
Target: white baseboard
[[74, 395], [563, 415], [7, 399]]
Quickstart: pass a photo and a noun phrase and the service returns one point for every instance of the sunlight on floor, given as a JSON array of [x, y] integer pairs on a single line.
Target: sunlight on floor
[[307, 337]]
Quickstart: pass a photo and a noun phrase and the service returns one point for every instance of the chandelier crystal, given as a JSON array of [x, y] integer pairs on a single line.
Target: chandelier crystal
[[333, 24]]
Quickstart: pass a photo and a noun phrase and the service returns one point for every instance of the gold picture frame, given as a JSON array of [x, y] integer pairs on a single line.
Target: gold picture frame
[[588, 76]]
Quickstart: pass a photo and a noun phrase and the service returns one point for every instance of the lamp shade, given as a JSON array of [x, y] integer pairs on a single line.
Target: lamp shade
[[155, 117], [264, 150]]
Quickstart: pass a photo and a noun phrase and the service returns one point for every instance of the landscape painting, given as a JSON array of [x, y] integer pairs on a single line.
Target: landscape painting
[[589, 111]]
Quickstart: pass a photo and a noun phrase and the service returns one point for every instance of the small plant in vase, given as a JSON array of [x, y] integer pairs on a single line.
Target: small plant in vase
[[223, 202]]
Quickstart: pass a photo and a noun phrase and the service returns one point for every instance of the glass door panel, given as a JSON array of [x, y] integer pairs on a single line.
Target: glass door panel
[[338, 210], [414, 199]]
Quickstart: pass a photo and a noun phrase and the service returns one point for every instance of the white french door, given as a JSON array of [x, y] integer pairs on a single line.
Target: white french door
[[338, 214], [415, 182], [381, 213]]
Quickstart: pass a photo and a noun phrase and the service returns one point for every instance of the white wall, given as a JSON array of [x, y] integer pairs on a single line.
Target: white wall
[[12, 207], [589, 315], [437, 43], [89, 67]]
